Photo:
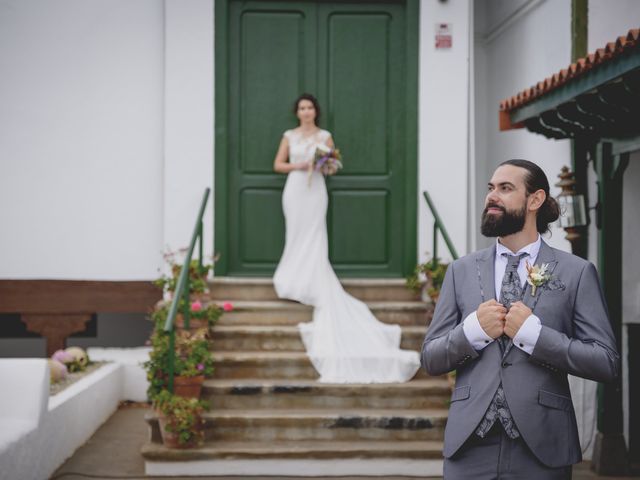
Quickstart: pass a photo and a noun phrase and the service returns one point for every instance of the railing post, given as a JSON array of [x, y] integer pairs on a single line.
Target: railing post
[[172, 347], [182, 288], [187, 308], [435, 243], [200, 242]]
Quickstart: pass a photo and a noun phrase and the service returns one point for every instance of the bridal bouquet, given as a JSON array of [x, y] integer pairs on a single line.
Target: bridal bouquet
[[326, 161]]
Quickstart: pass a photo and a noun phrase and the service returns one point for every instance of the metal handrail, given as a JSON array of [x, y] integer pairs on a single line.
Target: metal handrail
[[438, 225], [182, 287]]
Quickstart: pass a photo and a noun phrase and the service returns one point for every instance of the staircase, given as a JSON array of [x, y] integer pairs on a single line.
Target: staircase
[[270, 416]]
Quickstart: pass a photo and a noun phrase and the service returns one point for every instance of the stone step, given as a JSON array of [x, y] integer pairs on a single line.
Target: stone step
[[275, 364], [369, 289], [321, 424], [285, 338], [284, 394], [301, 449], [282, 312]]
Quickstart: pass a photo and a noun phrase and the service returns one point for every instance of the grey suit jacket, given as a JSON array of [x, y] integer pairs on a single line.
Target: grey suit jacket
[[576, 338]]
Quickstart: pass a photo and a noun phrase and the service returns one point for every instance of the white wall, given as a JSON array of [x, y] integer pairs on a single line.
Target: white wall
[[511, 54], [443, 125], [189, 110], [81, 129], [609, 20], [106, 134]]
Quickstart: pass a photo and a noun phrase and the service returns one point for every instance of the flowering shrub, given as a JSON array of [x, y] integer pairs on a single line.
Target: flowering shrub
[[192, 358], [428, 275], [182, 417], [197, 273]]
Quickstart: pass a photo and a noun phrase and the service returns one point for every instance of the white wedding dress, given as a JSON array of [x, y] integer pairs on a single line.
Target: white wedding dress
[[345, 342]]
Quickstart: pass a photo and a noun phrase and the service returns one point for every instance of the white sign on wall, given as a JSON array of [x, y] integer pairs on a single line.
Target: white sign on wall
[[444, 37]]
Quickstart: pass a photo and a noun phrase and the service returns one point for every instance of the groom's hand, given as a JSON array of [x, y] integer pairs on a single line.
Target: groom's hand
[[518, 313], [491, 316]]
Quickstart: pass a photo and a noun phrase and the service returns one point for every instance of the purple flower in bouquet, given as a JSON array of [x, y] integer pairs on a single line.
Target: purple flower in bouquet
[[326, 161]]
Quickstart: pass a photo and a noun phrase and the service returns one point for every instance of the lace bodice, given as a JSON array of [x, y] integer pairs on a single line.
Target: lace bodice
[[302, 148]]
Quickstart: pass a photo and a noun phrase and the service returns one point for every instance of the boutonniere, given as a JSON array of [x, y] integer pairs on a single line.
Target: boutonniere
[[537, 276]]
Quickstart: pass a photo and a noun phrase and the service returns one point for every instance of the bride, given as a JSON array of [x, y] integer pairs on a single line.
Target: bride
[[345, 342]]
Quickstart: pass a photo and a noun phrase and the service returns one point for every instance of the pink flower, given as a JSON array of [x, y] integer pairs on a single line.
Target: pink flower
[[196, 306], [63, 357], [227, 306], [200, 367]]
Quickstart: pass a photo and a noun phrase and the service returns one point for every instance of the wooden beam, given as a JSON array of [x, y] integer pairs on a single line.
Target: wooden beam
[[77, 296], [56, 328]]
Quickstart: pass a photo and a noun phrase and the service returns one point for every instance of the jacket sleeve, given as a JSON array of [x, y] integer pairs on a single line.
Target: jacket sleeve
[[591, 351], [445, 346]]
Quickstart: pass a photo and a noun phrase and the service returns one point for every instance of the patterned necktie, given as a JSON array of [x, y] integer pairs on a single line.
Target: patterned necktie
[[511, 291]]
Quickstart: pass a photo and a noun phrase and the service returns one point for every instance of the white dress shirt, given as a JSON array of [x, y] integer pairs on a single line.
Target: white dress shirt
[[527, 336]]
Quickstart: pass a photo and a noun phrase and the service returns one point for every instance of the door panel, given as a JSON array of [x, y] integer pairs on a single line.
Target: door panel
[[259, 214], [357, 89], [351, 55], [352, 220]]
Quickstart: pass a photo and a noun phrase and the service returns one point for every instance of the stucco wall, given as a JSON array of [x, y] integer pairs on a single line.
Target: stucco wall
[[511, 55], [443, 125], [81, 128]]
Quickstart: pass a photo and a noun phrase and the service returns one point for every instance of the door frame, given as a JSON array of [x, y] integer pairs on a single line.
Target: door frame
[[221, 148]]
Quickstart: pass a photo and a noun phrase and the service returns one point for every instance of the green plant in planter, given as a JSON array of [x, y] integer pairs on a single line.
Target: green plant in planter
[[197, 274], [192, 358], [210, 312], [433, 272], [181, 417]]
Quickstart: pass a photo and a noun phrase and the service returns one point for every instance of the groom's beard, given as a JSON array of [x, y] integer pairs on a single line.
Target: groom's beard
[[508, 223]]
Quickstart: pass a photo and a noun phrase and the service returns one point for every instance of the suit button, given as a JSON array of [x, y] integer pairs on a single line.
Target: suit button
[[521, 345], [505, 364]]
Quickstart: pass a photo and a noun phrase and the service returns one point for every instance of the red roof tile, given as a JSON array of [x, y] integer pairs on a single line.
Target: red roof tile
[[581, 66]]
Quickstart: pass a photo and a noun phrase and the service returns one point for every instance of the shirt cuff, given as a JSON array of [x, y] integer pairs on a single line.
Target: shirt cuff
[[527, 336], [475, 334]]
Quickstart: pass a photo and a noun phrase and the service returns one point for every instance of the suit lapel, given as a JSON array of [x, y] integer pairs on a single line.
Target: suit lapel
[[486, 273], [545, 255]]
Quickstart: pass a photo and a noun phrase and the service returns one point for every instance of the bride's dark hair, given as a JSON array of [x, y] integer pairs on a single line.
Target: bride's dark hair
[[312, 99]]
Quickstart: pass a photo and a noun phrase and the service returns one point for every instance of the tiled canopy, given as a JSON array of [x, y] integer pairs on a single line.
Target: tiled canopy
[[598, 96]]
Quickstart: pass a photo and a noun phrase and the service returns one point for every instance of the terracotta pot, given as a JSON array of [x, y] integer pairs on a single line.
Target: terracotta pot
[[194, 323], [189, 387], [170, 439], [200, 297]]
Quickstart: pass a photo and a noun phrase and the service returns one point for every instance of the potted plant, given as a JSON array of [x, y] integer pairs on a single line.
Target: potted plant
[[180, 419], [192, 362], [427, 279], [200, 315], [197, 275]]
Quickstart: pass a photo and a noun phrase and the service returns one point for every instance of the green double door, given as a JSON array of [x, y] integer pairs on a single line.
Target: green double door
[[359, 59]]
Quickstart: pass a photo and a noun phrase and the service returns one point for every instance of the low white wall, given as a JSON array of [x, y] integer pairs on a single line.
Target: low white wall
[[68, 419]]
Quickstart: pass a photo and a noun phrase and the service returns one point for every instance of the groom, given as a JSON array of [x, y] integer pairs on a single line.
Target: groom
[[514, 320]]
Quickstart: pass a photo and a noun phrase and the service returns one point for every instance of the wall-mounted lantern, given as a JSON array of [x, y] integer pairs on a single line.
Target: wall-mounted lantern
[[572, 209]]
